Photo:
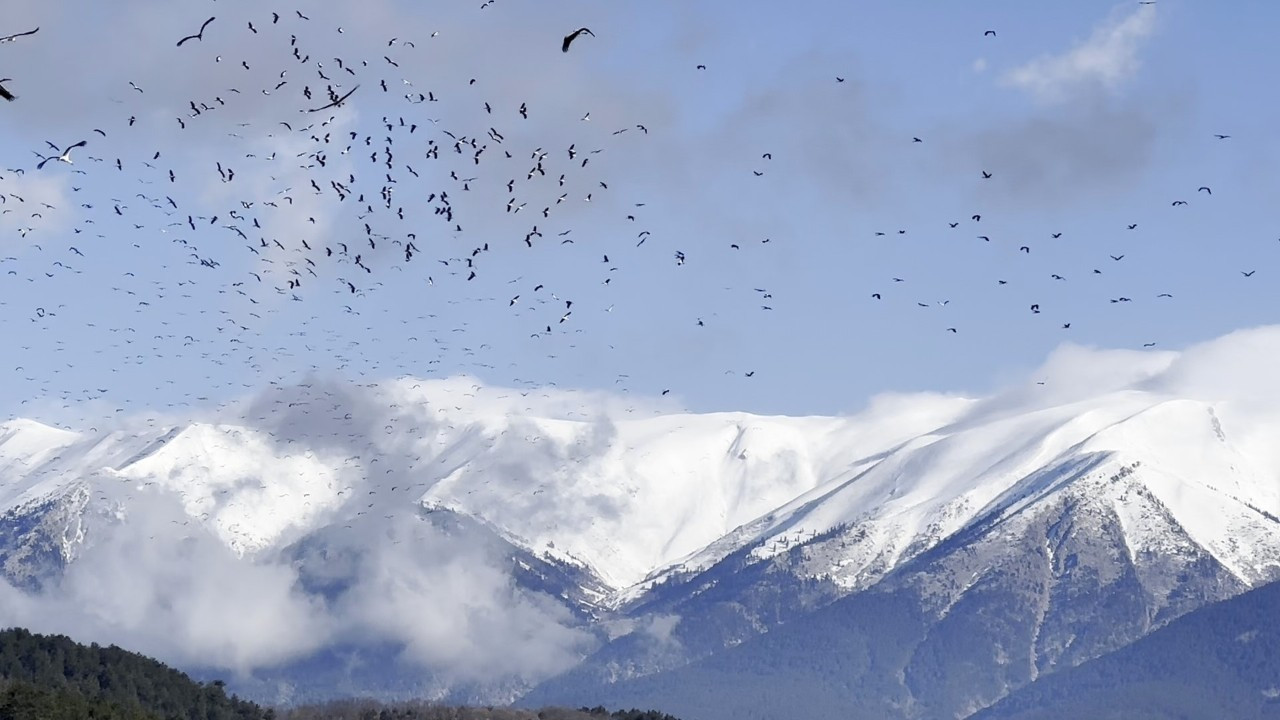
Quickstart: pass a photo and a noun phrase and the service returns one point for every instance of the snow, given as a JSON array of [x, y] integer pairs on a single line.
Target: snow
[[636, 497]]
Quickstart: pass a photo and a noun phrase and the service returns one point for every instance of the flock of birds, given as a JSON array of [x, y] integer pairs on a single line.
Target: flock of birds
[[408, 150]]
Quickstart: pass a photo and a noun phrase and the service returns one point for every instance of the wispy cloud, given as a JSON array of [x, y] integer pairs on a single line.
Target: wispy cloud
[[1105, 61]]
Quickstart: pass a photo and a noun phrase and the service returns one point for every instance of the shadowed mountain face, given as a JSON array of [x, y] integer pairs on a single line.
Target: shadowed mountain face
[[1218, 661], [989, 610], [440, 542]]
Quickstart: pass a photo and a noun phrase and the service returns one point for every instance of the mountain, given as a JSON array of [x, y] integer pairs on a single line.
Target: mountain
[[450, 541], [1099, 524], [1222, 660]]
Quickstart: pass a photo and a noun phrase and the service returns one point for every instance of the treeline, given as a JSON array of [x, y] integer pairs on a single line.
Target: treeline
[[52, 677], [373, 710]]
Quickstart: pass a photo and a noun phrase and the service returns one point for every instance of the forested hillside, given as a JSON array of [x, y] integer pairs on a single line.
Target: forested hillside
[[52, 677]]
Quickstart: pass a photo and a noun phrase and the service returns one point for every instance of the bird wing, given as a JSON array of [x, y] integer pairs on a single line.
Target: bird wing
[[15, 36], [337, 102], [6, 94], [199, 35], [564, 47]]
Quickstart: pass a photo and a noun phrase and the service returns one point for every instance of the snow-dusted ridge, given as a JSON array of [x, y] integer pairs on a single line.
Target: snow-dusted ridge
[[634, 499], [1176, 456]]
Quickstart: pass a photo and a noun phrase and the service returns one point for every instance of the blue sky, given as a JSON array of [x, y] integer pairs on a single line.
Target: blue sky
[[1090, 116]]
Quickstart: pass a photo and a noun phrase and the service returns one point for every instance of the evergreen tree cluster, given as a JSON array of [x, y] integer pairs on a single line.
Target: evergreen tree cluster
[[365, 709], [48, 676], [52, 677]]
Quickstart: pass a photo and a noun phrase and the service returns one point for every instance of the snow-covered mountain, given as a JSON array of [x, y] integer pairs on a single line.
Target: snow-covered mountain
[[488, 539]]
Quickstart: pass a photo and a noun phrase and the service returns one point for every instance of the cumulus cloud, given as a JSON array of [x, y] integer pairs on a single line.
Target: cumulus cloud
[[1105, 61], [1231, 372], [457, 611], [188, 599], [1083, 139], [155, 581]]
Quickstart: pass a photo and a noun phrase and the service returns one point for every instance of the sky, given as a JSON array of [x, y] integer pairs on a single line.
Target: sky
[[771, 170]]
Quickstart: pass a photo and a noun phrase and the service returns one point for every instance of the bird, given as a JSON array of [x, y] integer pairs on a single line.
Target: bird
[[568, 39], [65, 156], [337, 102], [5, 93], [15, 36], [199, 35], [989, 33]]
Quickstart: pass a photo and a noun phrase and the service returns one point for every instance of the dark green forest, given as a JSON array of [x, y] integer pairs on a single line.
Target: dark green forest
[[52, 677]]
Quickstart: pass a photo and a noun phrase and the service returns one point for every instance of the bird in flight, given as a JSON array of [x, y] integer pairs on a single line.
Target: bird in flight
[[64, 156], [338, 102], [15, 36], [568, 39], [197, 36]]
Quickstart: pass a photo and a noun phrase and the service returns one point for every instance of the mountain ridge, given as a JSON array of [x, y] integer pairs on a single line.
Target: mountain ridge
[[623, 547]]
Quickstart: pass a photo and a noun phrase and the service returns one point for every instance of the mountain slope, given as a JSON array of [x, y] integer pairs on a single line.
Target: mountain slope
[[1222, 660], [1116, 528]]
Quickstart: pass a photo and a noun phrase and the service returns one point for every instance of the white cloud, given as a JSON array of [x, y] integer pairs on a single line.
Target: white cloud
[[1105, 61]]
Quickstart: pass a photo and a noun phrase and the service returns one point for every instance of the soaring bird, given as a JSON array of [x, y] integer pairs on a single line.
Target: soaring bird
[[65, 156], [568, 39], [5, 93], [15, 36], [197, 36], [338, 102]]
